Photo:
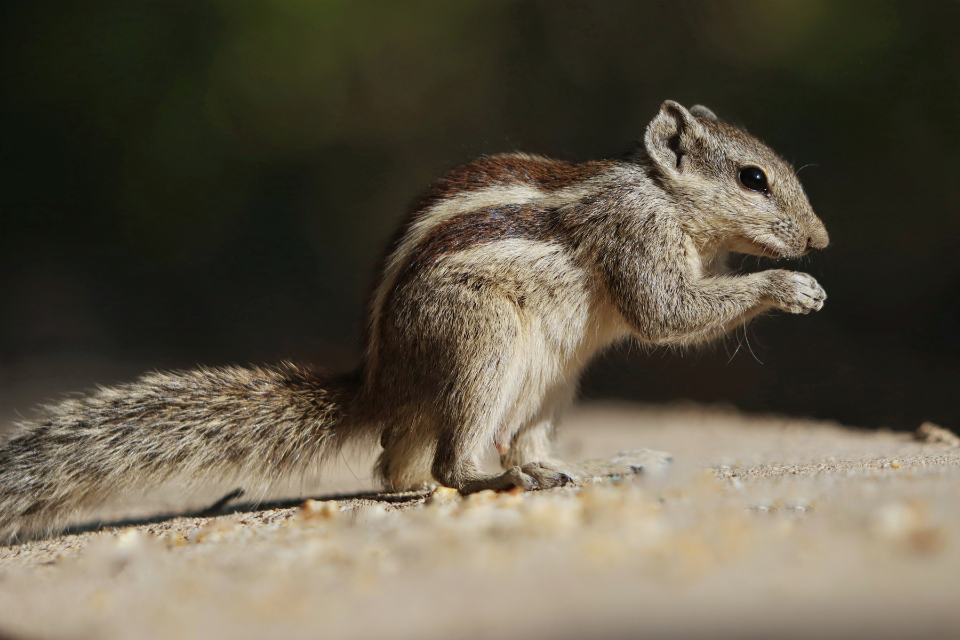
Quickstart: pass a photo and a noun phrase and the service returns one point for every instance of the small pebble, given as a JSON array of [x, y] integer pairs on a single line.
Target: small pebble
[[443, 495], [319, 509], [481, 498]]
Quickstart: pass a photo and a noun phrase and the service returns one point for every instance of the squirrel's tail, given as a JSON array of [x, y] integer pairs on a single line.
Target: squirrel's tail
[[185, 427]]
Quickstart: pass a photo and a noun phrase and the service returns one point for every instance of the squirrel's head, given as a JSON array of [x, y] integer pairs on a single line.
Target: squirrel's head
[[738, 191]]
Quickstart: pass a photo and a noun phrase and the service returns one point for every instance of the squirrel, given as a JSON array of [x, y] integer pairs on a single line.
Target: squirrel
[[508, 275]]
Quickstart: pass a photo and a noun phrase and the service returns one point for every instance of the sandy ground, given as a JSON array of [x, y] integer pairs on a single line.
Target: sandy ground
[[763, 527]]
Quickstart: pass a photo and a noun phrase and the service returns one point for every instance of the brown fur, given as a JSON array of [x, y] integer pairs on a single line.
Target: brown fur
[[544, 173], [474, 228], [510, 275]]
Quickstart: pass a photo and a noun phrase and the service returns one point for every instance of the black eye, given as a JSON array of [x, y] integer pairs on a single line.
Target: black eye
[[754, 179]]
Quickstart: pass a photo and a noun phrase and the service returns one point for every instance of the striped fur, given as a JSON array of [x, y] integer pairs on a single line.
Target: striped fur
[[507, 278], [514, 187]]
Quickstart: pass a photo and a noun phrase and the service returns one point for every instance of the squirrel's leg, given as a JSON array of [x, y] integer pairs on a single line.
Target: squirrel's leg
[[667, 299], [531, 450], [710, 307], [457, 462], [754, 293], [407, 455], [482, 404]]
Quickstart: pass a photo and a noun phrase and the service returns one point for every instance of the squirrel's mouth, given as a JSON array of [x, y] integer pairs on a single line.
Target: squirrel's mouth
[[763, 248], [766, 245], [766, 250]]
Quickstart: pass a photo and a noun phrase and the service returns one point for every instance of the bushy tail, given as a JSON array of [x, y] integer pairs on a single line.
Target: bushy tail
[[210, 424]]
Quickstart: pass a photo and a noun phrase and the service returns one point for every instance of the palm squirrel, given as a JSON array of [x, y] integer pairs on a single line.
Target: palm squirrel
[[508, 276]]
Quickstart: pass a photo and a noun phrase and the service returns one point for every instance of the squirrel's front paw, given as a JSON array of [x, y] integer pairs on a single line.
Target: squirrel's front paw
[[797, 292]]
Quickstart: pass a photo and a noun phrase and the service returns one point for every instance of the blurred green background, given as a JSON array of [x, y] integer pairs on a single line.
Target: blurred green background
[[213, 181]]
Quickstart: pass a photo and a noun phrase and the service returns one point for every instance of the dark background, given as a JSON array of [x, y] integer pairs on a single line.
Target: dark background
[[213, 181]]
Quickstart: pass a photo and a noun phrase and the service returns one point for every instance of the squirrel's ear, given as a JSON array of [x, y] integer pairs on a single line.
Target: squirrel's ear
[[702, 112], [669, 136]]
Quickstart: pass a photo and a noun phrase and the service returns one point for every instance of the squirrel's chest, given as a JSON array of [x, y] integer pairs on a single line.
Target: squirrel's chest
[[704, 262]]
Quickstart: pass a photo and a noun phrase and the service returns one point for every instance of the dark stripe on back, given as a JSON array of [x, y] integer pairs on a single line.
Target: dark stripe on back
[[542, 173], [474, 228]]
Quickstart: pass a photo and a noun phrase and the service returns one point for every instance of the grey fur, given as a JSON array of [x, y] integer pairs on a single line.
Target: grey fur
[[509, 277]]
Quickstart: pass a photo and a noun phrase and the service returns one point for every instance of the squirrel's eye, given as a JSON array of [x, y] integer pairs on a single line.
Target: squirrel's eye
[[754, 179]]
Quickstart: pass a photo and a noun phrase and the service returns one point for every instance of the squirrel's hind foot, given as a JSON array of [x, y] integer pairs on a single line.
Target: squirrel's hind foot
[[529, 477]]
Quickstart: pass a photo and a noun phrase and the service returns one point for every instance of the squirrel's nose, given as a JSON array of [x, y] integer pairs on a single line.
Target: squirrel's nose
[[818, 238]]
